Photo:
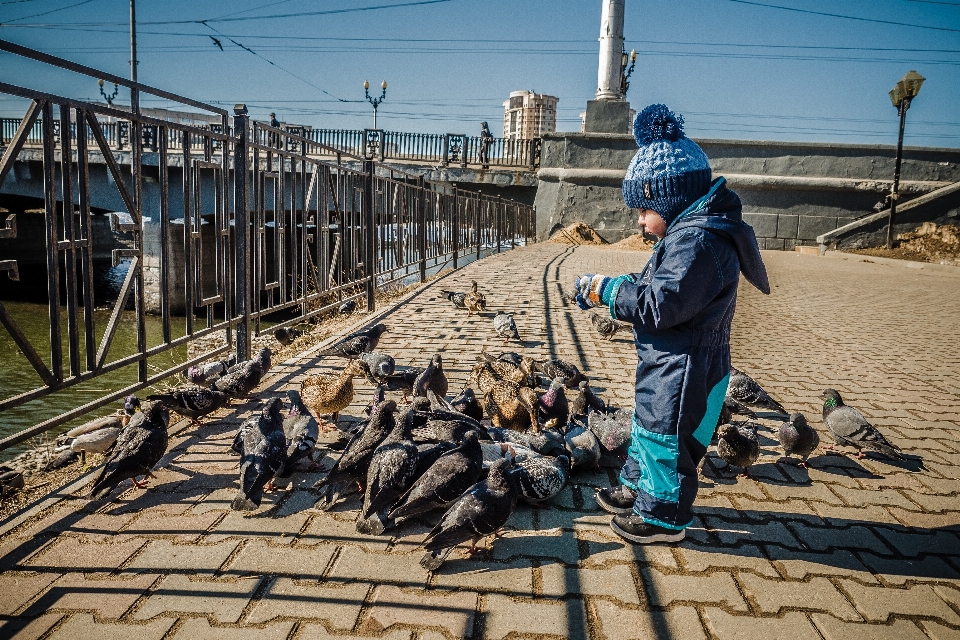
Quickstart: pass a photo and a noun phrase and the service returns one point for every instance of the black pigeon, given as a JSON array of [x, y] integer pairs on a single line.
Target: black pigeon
[[430, 452], [244, 377], [138, 448], [356, 343], [379, 395], [301, 430], [608, 327], [745, 389], [467, 404], [347, 307], [205, 374], [402, 380], [444, 481], [586, 401], [482, 510], [263, 450], [553, 405], [582, 446], [613, 430], [443, 430], [377, 366], [432, 378], [286, 336], [739, 446], [567, 372], [194, 402], [798, 438], [456, 297], [539, 479], [352, 466], [548, 442], [392, 470], [731, 407], [849, 428], [505, 326]]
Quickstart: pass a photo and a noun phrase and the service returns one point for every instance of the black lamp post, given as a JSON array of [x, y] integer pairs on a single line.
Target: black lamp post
[[626, 72], [108, 98], [901, 96], [375, 101]]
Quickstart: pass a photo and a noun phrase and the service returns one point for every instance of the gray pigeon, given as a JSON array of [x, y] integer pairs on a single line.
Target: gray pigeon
[[539, 479], [467, 404], [432, 378], [566, 371], [482, 510], [358, 342], [745, 389], [244, 376], [548, 442], [391, 472], [286, 336], [347, 307], [798, 438], [608, 327], [377, 366], [586, 401], [582, 446], [505, 326], [263, 450], [739, 446], [193, 402], [138, 448], [456, 297], [848, 427], [553, 405], [205, 374], [301, 430], [613, 430]]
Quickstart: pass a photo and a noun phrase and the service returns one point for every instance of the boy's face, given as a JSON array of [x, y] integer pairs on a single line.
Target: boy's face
[[651, 221]]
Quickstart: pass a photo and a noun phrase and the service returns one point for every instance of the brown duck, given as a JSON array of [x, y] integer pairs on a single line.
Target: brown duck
[[491, 370], [511, 406], [474, 301], [329, 392]]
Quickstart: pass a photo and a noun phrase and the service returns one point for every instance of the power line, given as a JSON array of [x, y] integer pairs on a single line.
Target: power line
[[36, 15], [837, 15]]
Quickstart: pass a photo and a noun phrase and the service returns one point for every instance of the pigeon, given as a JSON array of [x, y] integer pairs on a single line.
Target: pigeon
[[444, 481], [739, 446], [798, 438], [95, 436], [548, 442], [539, 479], [391, 472], [193, 402], [138, 448], [553, 406], [378, 366], [512, 357], [244, 377], [613, 430], [582, 446], [505, 326], [456, 297], [347, 307], [467, 404], [848, 427], [205, 374], [586, 401], [11, 481], [731, 406], [286, 336], [263, 450], [430, 452], [562, 369], [356, 343], [432, 378], [131, 405], [608, 327], [353, 464], [301, 430], [444, 430], [745, 389], [493, 451], [403, 380], [482, 510]]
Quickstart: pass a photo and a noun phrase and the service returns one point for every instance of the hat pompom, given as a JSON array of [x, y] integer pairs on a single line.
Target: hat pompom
[[657, 122]]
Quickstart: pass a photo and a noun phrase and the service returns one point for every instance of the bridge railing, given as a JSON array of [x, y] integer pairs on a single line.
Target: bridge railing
[[247, 226]]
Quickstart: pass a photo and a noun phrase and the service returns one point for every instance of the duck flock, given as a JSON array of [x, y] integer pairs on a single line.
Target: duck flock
[[510, 434]]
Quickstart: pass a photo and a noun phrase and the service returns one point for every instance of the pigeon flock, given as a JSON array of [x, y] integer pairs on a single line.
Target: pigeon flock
[[516, 431]]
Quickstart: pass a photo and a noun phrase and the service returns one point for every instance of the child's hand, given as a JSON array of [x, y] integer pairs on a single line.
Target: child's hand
[[590, 288]]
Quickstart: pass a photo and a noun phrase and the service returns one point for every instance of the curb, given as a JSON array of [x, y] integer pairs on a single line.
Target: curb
[[929, 267]]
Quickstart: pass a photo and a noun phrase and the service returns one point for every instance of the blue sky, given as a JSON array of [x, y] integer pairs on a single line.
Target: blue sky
[[771, 69]]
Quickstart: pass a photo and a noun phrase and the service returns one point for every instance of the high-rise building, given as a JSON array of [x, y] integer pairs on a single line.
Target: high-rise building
[[528, 115]]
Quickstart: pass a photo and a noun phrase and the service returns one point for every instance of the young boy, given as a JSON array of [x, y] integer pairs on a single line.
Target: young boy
[[681, 306]]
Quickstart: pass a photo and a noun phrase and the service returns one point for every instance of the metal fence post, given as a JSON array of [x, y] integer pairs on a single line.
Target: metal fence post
[[422, 227], [241, 232], [456, 227], [369, 223], [498, 208]]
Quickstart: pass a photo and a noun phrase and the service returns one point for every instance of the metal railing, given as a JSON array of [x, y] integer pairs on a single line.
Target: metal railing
[[269, 221]]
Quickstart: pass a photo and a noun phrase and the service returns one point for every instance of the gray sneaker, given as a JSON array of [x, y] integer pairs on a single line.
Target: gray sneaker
[[636, 530], [617, 500]]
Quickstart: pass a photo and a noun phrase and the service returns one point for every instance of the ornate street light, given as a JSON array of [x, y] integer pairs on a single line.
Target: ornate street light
[[901, 96], [109, 99], [375, 101], [625, 72]]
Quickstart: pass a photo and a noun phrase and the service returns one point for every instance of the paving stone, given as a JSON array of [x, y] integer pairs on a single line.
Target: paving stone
[[514, 578], [318, 632], [190, 558], [28, 628], [878, 604], [261, 557], [899, 570], [297, 502], [717, 588], [841, 516], [183, 528], [615, 582], [937, 631], [107, 597], [18, 590], [751, 533], [833, 629], [223, 600], [605, 547], [278, 530], [200, 629], [817, 492], [327, 529], [772, 596], [793, 509], [559, 544], [453, 612], [98, 527], [216, 500], [80, 555], [699, 559], [913, 543], [729, 627], [627, 624], [503, 616], [799, 565], [356, 563], [951, 595], [339, 605], [82, 625], [824, 538]]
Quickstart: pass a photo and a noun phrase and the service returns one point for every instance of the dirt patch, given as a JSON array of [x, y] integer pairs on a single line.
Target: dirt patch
[[929, 243], [636, 242], [577, 234]]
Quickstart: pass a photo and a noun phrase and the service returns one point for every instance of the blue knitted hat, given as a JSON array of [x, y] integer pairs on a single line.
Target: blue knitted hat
[[670, 171]]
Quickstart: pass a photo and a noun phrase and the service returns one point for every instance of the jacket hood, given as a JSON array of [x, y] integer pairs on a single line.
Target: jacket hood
[[719, 212]]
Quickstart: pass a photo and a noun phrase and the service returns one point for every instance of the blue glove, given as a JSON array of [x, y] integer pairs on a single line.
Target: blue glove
[[591, 289]]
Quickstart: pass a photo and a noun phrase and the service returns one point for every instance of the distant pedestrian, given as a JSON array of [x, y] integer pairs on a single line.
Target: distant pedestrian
[[486, 139], [274, 138], [681, 306]]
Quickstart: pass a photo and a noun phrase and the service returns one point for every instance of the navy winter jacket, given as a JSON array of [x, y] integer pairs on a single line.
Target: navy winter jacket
[[681, 306]]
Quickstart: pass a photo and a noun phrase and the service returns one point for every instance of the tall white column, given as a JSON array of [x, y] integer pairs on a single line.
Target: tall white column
[[611, 50]]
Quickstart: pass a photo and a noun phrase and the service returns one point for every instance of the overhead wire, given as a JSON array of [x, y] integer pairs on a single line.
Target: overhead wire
[[838, 15]]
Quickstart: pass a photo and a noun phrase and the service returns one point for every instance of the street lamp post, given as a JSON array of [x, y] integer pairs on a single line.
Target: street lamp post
[[375, 101], [108, 98], [901, 95]]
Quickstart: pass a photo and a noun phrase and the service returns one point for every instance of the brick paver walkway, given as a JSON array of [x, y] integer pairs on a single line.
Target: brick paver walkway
[[847, 549]]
